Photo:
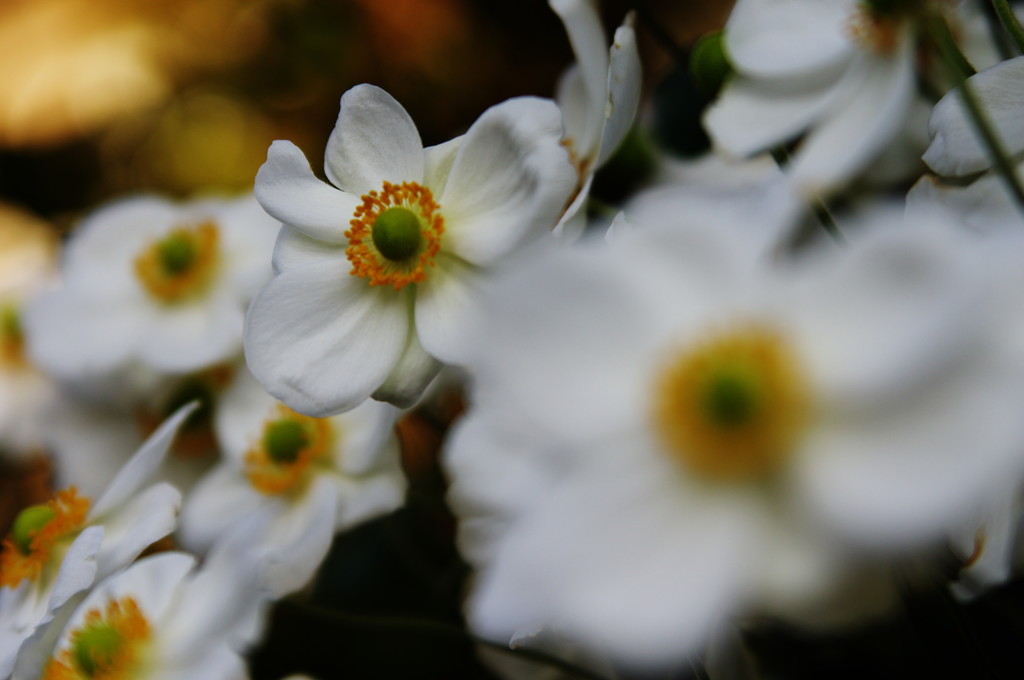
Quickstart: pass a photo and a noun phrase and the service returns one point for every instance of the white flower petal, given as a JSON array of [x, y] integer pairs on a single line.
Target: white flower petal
[[221, 502], [364, 444], [295, 249], [624, 81], [142, 466], [411, 376], [365, 499], [509, 182], [78, 570], [586, 34], [571, 96], [374, 140], [192, 336], [956, 148], [139, 523], [289, 191], [438, 161], [322, 341], [444, 303], [789, 39], [871, 116]]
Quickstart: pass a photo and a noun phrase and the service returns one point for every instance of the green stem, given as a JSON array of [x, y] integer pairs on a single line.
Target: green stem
[[1010, 22], [818, 206], [953, 59]]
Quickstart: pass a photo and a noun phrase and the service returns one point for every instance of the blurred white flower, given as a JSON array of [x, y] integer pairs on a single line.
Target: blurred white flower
[[374, 277], [704, 436], [153, 282], [841, 71], [58, 549], [301, 479], [162, 618], [598, 97]]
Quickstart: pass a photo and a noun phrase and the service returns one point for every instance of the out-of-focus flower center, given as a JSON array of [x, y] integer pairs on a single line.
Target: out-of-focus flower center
[[36, 534], [109, 645], [12, 338], [878, 24], [181, 265], [732, 408], [290, 444], [394, 235]]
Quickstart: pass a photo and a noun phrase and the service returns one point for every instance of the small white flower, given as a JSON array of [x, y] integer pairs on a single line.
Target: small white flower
[[705, 436], [840, 72], [374, 277], [58, 549], [162, 618], [301, 479], [146, 280], [598, 97]]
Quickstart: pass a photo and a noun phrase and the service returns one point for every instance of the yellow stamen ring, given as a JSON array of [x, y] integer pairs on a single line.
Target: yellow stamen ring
[[24, 556], [181, 265], [733, 407], [364, 249], [108, 646], [289, 444]]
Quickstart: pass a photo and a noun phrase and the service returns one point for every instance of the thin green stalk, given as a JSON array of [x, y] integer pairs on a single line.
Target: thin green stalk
[[1010, 22], [953, 59], [817, 205]]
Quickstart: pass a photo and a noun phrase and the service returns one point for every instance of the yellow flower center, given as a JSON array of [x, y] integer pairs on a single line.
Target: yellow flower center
[[181, 265], [289, 445], [877, 24], [36, 533], [108, 646], [733, 407], [394, 235], [12, 337]]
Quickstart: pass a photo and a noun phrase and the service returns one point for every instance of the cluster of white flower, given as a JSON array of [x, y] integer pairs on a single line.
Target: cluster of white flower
[[785, 387]]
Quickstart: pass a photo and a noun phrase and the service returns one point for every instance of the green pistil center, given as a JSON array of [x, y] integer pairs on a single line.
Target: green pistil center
[[10, 324], [397, 234], [95, 648], [28, 523], [177, 254], [284, 439], [731, 399]]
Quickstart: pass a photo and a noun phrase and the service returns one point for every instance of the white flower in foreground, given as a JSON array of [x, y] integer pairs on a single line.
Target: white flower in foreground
[[840, 72], [58, 549], [163, 619], [598, 97], [155, 282], [374, 277], [721, 438], [302, 479]]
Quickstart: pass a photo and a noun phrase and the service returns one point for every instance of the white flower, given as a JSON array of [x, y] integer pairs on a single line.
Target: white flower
[[57, 550], [301, 479], [841, 71], [146, 280], [704, 436], [162, 618], [598, 97], [373, 278]]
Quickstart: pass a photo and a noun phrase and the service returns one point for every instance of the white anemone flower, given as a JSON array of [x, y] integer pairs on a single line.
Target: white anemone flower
[[839, 72], [162, 618], [58, 549], [153, 282], [598, 97], [300, 479], [706, 437], [374, 277]]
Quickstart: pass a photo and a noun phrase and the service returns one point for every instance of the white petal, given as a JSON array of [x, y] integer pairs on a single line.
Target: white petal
[[984, 206], [788, 38], [374, 140], [411, 376], [218, 505], [367, 439], [956, 148], [139, 523], [624, 81], [322, 341], [192, 336], [583, 24], [438, 161], [444, 302], [78, 570], [240, 415], [872, 115], [295, 249], [142, 466], [571, 96], [364, 499], [510, 180], [289, 191]]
